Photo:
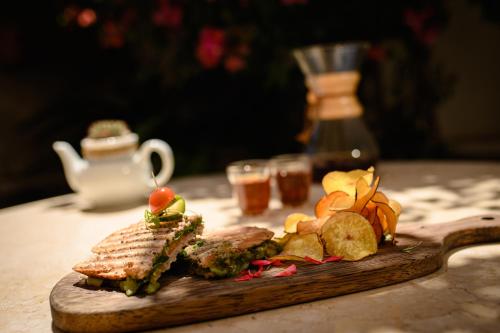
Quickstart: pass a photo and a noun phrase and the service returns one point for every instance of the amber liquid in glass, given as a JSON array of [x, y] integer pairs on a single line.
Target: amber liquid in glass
[[253, 195], [294, 187]]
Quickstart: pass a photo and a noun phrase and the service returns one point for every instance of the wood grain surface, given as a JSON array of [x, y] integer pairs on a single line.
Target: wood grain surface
[[186, 299]]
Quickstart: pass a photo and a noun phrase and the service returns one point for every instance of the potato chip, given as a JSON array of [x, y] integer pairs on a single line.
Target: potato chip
[[346, 181], [287, 257], [282, 240], [304, 245], [293, 219], [307, 227], [333, 202], [349, 235]]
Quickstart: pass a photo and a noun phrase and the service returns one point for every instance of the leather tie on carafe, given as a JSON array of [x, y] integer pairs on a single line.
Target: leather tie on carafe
[[330, 96]]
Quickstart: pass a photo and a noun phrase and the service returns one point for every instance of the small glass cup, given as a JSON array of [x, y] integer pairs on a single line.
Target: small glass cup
[[251, 184], [293, 173]]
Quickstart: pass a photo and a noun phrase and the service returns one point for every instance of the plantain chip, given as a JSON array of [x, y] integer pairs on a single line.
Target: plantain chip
[[346, 181], [304, 245], [349, 235], [293, 219]]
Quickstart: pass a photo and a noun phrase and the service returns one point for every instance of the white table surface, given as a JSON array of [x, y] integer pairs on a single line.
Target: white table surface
[[42, 240]]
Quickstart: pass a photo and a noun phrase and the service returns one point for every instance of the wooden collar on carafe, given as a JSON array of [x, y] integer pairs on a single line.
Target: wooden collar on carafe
[[333, 96]]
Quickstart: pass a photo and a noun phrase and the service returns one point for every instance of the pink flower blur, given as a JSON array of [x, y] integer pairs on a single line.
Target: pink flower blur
[[234, 63], [86, 18], [418, 21], [210, 47], [167, 15], [112, 36]]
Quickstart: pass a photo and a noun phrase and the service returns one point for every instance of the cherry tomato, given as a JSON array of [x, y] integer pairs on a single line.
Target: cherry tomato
[[160, 198]]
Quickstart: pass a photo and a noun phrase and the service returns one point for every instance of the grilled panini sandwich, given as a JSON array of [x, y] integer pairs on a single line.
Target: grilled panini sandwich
[[227, 252], [134, 258]]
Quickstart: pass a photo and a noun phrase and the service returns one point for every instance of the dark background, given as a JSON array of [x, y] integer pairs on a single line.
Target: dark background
[[216, 79]]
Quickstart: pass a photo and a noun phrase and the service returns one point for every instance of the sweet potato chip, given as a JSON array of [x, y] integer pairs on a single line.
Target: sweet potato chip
[[362, 188], [349, 235], [390, 217], [380, 197], [342, 203], [333, 202], [304, 245], [377, 228], [346, 181], [363, 200], [368, 211], [383, 221], [371, 214], [395, 206], [293, 219]]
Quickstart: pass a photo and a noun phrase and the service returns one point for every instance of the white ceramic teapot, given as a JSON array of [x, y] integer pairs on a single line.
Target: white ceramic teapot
[[114, 171]]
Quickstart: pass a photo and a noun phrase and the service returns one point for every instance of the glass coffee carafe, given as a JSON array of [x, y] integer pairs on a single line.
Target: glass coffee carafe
[[336, 136]]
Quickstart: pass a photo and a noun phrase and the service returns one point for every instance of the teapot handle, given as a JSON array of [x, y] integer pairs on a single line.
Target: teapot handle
[[167, 159]]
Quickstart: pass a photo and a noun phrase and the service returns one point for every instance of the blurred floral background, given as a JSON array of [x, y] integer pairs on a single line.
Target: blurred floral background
[[216, 79]]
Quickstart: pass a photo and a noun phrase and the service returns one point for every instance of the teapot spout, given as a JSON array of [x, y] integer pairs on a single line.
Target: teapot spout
[[73, 164]]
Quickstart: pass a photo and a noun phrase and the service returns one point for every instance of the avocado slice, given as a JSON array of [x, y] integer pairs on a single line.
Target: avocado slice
[[179, 205]]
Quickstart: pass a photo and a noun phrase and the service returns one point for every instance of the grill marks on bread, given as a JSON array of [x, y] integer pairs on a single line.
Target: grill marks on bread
[[228, 240], [130, 252]]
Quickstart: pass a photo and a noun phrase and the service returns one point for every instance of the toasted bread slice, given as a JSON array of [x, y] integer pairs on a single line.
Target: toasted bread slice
[[226, 252], [133, 251]]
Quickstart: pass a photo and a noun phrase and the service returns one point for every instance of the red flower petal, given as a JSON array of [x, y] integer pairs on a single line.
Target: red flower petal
[[312, 260], [258, 273], [261, 262], [290, 270], [276, 262]]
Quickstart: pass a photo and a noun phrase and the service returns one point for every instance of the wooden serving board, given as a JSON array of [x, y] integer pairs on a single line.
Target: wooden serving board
[[184, 299]]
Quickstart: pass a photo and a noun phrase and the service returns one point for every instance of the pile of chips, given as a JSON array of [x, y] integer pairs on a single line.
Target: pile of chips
[[350, 221]]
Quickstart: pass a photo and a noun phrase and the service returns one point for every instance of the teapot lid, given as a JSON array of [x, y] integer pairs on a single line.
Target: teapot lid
[[109, 138]]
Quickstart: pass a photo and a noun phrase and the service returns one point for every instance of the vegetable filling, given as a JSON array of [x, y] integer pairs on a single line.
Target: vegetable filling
[[232, 263]]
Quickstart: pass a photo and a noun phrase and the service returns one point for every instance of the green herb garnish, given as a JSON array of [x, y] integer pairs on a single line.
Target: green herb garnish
[[192, 227], [151, 218]]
